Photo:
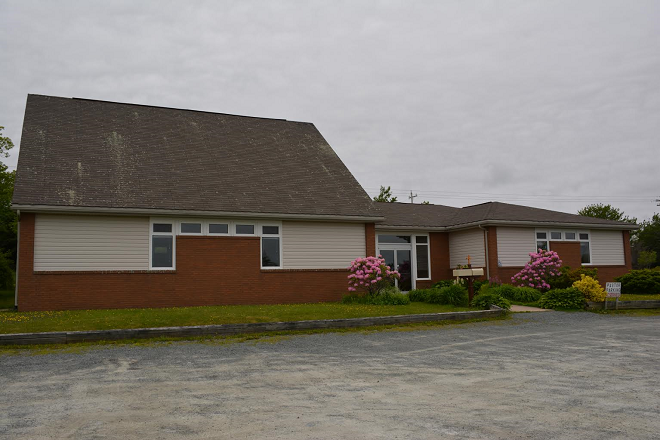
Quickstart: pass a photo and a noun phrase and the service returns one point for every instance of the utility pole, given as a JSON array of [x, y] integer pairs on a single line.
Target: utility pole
[[411, 196]]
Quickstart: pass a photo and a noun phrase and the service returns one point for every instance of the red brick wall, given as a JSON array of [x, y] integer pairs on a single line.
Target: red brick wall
[[491, 243], [210, 271], [569, 252], [370, 237]]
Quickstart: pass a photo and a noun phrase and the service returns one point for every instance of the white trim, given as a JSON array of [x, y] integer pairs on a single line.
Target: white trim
[[207, 228], [173, 234], [577, 239], [428, 255], [580, 240], [261, 235], [192, 221], [195, 213], [541, 225], [412, 247], [255, 232]]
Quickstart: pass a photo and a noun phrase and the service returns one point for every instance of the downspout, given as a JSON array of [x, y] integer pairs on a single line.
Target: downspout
[[18, 247], [486, 247]]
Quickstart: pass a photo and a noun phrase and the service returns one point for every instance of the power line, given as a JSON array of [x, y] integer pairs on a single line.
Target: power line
[[518, 196]]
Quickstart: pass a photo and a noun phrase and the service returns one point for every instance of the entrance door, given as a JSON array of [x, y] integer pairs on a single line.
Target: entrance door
[[399, 260]]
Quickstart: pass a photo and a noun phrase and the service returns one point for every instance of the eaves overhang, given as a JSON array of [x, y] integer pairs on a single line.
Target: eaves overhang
[[628, 226], [191, 213]]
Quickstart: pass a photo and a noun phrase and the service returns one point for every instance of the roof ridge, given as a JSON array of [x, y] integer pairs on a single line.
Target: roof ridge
[[167, 108]]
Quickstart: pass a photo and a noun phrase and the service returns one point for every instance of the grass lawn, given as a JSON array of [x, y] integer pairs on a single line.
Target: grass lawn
[[26, 322], [6, 299]]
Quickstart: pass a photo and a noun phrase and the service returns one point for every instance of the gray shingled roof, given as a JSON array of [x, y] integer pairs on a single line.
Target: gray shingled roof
[[86, 153], [438, 216]]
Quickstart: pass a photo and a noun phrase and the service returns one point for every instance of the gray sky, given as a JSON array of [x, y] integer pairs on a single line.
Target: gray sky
[[552, 104]]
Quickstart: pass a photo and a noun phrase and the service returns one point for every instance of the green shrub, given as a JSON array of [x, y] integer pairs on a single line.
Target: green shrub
[[455, 295], [569, 276], [419, 295], [7, 274], [484, 301], [386, 297], [562, 299], [443, 283], [513, 293], [643, 281]]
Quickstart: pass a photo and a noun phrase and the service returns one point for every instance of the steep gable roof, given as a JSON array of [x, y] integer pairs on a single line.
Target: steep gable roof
[[97, 154]]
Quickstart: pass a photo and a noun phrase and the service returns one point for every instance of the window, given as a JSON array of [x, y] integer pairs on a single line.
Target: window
[[270, 247], [570, 235], [542, 241], [191, 228], [394, 239], [244, 229], [162, 246], [162, 227], [218, 228], [555, 236], [585, 247], [422, 257]]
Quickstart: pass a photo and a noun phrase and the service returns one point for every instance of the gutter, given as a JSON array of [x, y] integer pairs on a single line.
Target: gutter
[[628, 226], [191, 213]]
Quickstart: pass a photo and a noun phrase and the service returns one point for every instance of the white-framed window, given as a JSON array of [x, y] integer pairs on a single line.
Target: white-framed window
[[271, 245], [162, 244], [422, 257], [585, 247], [218, 227], [543, 239], [191, 227], [245, 228], [409, 253]]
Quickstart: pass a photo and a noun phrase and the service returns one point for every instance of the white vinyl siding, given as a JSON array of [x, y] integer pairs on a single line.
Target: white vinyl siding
[[469, 242], [320, 245], [514, 246], [86, 242], [607, 248]]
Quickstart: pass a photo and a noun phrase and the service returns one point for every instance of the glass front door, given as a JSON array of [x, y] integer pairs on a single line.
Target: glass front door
[[399, 260]]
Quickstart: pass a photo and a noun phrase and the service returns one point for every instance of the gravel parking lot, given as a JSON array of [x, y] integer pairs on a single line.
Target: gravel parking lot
[[543, 375]]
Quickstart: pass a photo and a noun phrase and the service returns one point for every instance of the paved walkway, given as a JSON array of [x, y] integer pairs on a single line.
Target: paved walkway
[[515, 308]]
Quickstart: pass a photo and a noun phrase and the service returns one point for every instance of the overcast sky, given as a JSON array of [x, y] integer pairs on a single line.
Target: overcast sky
[[553, 104]]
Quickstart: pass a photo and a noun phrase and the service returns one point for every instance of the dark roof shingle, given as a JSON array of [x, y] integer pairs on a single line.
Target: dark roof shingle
[[439, 216], [86, 153]]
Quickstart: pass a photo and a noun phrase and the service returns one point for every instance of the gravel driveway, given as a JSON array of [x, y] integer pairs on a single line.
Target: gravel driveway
[[542, 375]]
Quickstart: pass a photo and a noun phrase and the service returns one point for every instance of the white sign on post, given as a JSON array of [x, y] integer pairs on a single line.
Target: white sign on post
[[613, 290]]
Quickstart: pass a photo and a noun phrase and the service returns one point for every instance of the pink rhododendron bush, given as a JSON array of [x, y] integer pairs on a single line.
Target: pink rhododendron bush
[[541, 266], [370, 274]]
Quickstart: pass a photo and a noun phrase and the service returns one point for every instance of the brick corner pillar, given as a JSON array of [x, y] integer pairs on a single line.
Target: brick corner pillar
[[25, 277], [627, 252], [492, 269], [370, 239]]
